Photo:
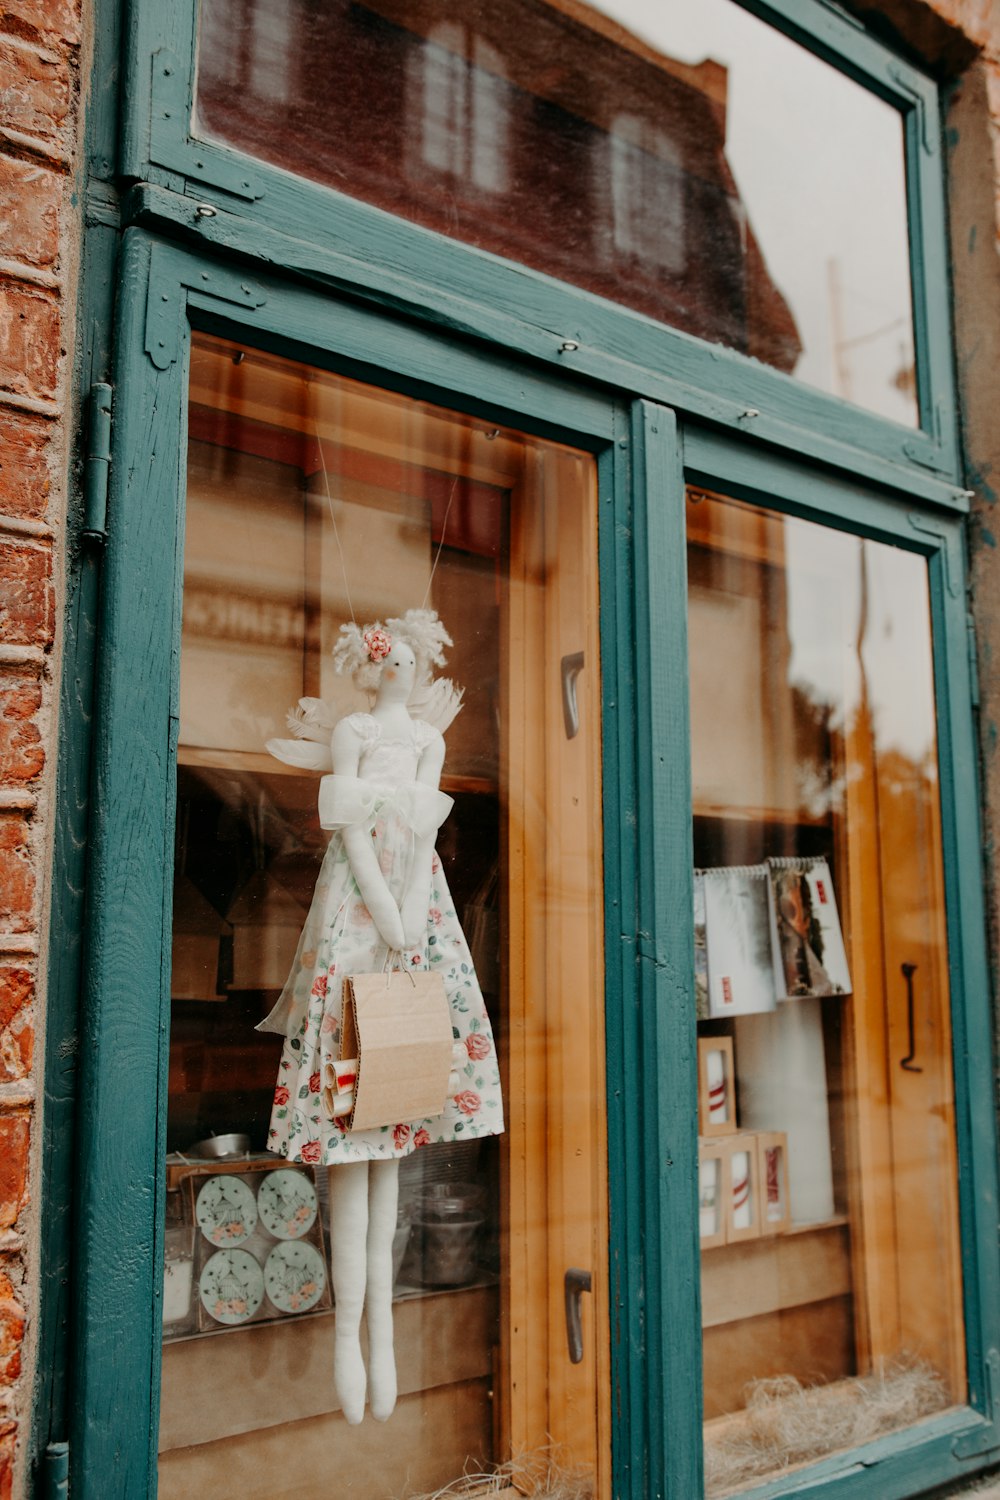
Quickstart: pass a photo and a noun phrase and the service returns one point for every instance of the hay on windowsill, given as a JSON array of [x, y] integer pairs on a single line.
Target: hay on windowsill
[[543, 1476], [785, 1423]]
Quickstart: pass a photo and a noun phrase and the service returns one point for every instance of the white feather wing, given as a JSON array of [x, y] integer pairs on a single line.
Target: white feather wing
[[437, 703]]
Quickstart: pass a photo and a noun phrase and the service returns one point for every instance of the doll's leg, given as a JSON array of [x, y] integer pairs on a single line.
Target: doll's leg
[[383, 1199], [348, 1237]]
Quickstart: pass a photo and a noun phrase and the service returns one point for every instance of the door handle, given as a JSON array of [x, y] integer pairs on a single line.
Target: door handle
[[575, 1283], [907, 1062], [572, 666]]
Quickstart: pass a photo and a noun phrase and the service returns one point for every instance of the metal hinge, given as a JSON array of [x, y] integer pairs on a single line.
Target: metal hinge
[[98, 466], [55, 1472], [970, 640]]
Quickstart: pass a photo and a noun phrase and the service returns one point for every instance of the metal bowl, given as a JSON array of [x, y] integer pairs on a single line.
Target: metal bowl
[[215, 1147]]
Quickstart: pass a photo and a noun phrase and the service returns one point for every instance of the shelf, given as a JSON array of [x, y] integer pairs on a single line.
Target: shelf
[[725, 812], [259, 763], [809, 1263], [441, 1338]]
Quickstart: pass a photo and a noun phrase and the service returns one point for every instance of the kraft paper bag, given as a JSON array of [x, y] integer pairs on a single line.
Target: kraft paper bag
[[398, 1026]]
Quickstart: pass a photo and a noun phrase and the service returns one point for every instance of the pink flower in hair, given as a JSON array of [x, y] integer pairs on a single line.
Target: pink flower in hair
[[379, 644]]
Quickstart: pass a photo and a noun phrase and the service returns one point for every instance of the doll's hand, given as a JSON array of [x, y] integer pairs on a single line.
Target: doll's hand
[[414, 917], [385, 914], [390, 926]]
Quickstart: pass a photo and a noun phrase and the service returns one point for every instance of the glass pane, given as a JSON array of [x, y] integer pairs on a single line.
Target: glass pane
[[685, 160], [831, 1282], [351, 1154]]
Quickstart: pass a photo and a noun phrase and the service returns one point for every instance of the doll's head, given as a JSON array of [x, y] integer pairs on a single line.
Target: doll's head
[[399, 670], [367, 651]]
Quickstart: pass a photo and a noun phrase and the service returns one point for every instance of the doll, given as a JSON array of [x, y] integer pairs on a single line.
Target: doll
[[381, 900]]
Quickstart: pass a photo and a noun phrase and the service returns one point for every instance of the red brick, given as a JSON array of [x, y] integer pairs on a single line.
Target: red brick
[[17, 1030], [24, 466], [974, 17], [26, 605], [15, 1135], [34, 94], [8, 1443], [17, 880], [29, 341], [22, 754], [12, 1322], [17, 1050], [30, 197], [43, 20]]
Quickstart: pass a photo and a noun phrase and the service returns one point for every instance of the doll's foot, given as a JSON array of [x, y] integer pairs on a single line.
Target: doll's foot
[[349, 1378], [382, 1382]]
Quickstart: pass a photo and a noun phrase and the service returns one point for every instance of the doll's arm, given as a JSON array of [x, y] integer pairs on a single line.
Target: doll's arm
[[417, 897], [358, 847]]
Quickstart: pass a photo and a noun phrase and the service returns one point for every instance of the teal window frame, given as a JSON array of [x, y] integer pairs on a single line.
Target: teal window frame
[[343, 240], [644, 456], [659, 408]]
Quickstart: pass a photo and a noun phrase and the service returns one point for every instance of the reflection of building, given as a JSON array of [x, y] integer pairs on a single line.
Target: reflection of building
[[606, 168]]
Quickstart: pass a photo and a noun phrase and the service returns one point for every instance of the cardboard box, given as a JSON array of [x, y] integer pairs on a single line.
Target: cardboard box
[[716, 1086], [712, 1184], [772, 1171], [742, 1186]]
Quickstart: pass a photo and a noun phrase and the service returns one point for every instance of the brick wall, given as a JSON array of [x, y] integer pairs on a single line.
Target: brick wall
[[39, 229], [40, 44]]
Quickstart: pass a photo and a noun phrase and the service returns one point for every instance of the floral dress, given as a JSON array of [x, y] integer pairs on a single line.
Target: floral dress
[[340, 939]]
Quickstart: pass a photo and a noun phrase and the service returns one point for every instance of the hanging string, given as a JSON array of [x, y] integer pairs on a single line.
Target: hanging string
[[336, 529], [437, 557], [340, 547]]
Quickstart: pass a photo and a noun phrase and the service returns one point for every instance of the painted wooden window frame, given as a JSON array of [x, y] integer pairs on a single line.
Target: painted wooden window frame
[[345, 241], [644, 456], [860, 472]]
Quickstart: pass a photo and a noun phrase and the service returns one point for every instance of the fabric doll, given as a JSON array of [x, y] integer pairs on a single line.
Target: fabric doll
[[381, 900]]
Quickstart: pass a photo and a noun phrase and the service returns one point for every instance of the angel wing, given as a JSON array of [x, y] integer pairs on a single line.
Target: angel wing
[[437, 702], [311, 719], [304, 755], [311, 722]]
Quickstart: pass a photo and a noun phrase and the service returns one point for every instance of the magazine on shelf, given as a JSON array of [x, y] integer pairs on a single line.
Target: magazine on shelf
[[809, 954], [700, 949], [741, 979]]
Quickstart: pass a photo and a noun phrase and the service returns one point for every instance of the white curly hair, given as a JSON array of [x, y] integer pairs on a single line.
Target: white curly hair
[[420, 629]]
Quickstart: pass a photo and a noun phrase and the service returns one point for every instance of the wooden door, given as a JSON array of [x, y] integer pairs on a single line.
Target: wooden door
[[556, 1188]]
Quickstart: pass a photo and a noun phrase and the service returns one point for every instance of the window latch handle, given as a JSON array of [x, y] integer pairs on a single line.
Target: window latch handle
[[907, 1062], [575, 1283], [572, 666]]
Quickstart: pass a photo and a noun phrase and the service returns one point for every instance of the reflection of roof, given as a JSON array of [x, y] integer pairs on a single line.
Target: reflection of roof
[[709, 77], [549, 48], [544, 133]]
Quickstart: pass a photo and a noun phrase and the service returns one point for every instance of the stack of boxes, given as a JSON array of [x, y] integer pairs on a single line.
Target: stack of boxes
[[742, 1174]]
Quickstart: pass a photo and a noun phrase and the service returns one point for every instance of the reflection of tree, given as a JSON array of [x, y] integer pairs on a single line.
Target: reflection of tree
[[819, 759], [822, 770]]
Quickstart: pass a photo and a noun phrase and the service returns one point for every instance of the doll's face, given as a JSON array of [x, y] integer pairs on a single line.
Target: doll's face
[[399, 670]]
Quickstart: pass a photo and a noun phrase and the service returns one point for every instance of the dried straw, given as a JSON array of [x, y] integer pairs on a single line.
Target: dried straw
[[785, 1423], [543, 1476]]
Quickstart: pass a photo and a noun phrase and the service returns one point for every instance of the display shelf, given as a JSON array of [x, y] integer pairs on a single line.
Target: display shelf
[[807, 1263], [442, 1339], [260, 763]]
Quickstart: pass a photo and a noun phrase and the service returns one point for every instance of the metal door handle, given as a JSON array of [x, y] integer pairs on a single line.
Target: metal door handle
[[907, 1062], [572, 666], [575, 1282]]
